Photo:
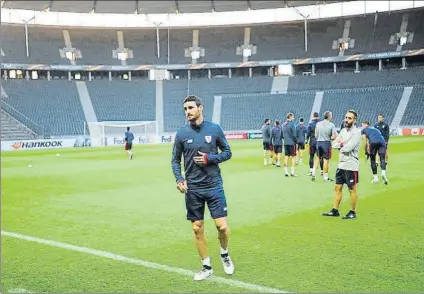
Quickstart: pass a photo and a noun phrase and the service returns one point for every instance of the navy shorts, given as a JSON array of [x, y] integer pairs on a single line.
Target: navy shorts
[[312, 149], [267, 146], [290, 150], [324, 149], [196, 200], [278, 149], [301, 146], [377, 148], [348, 177], [128, 146]]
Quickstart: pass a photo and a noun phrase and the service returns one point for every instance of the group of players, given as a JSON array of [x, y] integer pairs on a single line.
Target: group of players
[[200, 141], [318, 135]]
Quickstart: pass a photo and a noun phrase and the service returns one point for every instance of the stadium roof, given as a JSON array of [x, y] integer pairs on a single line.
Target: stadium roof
[[152, 7]]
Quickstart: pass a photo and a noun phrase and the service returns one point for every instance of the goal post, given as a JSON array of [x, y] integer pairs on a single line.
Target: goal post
[[110, 133]]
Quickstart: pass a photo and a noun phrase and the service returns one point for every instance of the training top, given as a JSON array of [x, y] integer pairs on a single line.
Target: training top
[[129, 137], [384, 129], [325, 130], [348, 142], [301, 131], [373, 135], [310, 134], [289, 133], [266, 133], [207, 137], [277, 136]]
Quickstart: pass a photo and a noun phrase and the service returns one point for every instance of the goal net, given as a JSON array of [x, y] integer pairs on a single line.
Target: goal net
[[110, 133]]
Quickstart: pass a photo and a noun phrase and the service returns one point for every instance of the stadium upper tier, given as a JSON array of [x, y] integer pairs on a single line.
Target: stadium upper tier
[[365, 34], [152, 7]]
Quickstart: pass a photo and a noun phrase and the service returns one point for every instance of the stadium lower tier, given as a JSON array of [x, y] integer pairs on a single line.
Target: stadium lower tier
[[62, 108]]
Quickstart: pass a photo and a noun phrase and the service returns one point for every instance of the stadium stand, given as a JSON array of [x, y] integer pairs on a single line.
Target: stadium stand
[[175, 90], [123, 100], [54, 105], [247, 111], [414, 113], [244, 101], [348, 80], [273, 41], [368, 102]]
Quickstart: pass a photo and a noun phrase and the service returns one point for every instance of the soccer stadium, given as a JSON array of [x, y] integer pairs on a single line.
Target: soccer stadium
[[88, 206]]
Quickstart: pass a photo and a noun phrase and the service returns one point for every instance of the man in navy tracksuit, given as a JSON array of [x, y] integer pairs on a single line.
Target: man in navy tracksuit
[[290, 140], [301, 130], [312, 140], [375, 144], [277, 141], [384, 128], [199, 142]]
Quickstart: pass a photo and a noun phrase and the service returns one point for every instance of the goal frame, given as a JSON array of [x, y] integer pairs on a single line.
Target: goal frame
[[99, 136]]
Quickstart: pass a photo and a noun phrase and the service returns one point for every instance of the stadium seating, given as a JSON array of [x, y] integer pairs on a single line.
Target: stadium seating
[[248, 111], [175, 90], [273, 41], [11, 129], [348, 80], [96, 45], [123, 100], [368, 102], [54, 105], [416, 25], [414, 113]]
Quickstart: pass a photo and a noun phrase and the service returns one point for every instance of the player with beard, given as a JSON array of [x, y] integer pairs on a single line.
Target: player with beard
[[199, 142], [348, 143]]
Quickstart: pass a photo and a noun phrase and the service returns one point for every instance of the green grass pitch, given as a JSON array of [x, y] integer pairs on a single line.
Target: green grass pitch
[[98, 199]]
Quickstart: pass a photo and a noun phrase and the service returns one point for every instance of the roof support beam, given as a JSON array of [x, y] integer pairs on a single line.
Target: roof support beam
[[177, 8]]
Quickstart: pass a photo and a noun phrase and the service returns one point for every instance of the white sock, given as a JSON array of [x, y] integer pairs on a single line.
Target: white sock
[[278, 162], [224, 251], [313, 171], [292, 170], [286, 170], [376, 177], [383, 172], [207, 261], [325, 176]]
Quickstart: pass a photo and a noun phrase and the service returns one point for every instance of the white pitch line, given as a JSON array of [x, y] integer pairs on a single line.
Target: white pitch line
[[177, 270], [18, 290]]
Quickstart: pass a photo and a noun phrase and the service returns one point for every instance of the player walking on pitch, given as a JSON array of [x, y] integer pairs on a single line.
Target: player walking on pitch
[[384, 128], [375, 144], [129, 137], [348, 142], [325, 131], [266, 141], [301, 131], [199, 142], [312, 141], [277, 141], [290, 140]]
